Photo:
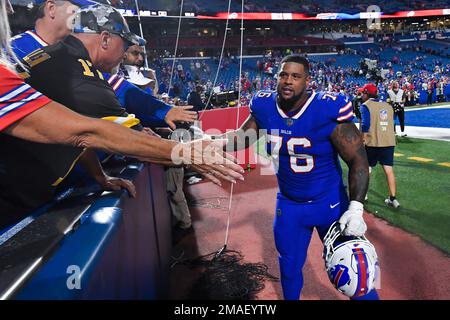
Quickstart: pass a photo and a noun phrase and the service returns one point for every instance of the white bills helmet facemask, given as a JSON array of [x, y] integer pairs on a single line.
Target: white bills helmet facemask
[[351, 262]]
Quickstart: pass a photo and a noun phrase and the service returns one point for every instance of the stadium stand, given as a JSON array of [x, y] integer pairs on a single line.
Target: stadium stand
[[299, 6]]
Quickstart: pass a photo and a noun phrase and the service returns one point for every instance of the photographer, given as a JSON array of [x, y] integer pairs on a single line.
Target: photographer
[[397, 101], [194, 98], [356, 103]]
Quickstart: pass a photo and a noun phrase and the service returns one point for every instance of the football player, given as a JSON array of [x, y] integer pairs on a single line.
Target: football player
[[307, 131]]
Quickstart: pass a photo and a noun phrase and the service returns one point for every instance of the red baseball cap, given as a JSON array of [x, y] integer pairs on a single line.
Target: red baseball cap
[[369, 88]]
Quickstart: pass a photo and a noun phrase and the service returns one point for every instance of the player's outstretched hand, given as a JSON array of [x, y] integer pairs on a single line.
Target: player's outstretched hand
[[180, 114], [352, 221], [206, 157]]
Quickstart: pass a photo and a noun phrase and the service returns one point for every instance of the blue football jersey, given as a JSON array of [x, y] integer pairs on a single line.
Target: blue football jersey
[[305, 159], [27, 42]]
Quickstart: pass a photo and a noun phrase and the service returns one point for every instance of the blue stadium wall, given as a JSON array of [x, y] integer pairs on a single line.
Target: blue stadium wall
[[121, 247]]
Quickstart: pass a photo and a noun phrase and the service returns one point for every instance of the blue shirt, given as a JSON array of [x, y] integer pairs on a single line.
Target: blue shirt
[[365, 118], [147, 108], [150, 110], [306, 161], [27, 42]]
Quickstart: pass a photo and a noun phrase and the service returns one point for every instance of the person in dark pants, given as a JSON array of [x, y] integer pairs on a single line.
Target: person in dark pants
[[379, 138], [356, 103], [194, 99], [397, 100], [430, 94]]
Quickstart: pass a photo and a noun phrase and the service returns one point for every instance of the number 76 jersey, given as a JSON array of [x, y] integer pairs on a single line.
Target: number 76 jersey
[[306, 162]]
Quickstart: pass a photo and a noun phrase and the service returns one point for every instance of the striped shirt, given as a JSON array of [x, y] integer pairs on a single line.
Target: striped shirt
[[17, 99]]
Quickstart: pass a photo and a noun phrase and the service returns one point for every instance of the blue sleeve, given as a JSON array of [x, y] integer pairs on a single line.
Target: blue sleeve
[[255, 106], [147, 108], [22, 47], [365, 118], [143, 105], [20, 53], [343, 111]]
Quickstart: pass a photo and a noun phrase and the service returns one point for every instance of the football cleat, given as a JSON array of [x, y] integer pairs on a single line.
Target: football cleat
[[392, 203]]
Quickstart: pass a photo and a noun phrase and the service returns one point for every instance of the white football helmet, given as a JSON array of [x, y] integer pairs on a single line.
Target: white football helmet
[[351, 262]]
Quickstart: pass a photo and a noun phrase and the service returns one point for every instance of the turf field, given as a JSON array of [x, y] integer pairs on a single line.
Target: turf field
[[423, 189]]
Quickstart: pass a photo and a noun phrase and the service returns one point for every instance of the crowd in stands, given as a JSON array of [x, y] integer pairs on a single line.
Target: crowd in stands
[[416, 66], [303, 6]]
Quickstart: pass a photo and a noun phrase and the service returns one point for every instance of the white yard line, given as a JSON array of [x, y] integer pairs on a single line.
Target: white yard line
[[444, 106], [442, 134]]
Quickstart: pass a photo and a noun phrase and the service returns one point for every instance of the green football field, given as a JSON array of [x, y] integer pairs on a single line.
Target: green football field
[[423, 190]]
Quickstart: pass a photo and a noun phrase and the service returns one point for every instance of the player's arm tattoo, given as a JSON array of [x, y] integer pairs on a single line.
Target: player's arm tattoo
[[243, 137], [348, 142]]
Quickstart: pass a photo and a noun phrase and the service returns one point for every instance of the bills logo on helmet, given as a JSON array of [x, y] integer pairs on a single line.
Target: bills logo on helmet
[[351, 262], [339, 275]]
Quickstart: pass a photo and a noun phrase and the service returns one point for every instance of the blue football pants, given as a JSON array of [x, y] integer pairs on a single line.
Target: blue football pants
[[293, 226]]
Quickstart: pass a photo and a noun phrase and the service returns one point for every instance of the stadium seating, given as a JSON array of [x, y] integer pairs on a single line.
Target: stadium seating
[[300, 6], [417, 60], [303, 6]]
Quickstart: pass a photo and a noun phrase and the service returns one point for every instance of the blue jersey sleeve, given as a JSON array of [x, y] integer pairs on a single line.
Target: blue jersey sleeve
[[365, 118], [342, 109], [336, 107], [118, 83], [23, 44], [147, 108], [260, 106]]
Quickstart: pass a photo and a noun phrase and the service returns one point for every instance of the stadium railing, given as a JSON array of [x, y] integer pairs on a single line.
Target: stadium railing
[[92, 244]]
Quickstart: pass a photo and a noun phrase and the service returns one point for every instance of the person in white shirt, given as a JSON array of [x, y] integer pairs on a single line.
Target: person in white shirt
[[440, 91], [397, 100]]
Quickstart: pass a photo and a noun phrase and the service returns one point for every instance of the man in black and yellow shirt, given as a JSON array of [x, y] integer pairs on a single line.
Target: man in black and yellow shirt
[[69, 72]]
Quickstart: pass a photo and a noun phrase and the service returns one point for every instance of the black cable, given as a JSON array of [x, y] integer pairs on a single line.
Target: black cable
[[225, 277]]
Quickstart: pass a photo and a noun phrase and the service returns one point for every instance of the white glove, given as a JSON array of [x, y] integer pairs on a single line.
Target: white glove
[[352, 222]]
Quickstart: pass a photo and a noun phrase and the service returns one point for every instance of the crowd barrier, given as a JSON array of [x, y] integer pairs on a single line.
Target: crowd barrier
[[94, 245], [423, 95]]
